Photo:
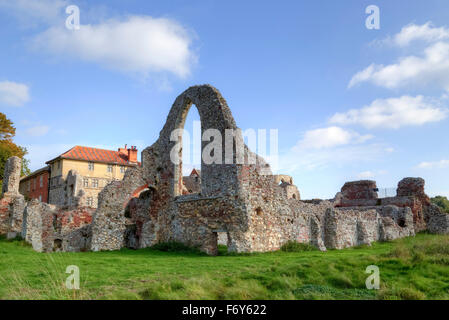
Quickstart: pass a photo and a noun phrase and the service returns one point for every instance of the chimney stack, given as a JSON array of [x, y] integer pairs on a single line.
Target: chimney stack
[[132, 154], [123, 151]]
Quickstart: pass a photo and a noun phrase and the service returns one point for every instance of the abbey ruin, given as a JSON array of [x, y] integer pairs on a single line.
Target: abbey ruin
[[243, 204]]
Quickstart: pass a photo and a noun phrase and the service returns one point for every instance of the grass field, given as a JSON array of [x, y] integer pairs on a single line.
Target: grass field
[[411, 268]]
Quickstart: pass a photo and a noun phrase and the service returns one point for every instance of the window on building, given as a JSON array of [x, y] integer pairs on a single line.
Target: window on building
[[122, 169], [29, 185], [95, 183], [41, 181], [59, 164], [109, 167], [40, 198], [90, 201], [85, 182], [34, 183], [91, 166]]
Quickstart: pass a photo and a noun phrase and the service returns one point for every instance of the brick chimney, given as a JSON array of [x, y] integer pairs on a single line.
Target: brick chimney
[[123, 151], [132, 154]]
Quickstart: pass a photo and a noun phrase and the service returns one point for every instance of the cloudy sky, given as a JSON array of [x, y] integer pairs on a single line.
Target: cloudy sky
[[348, 102]]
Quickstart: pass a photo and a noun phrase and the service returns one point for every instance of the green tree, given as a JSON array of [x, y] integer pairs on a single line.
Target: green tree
[[442, 202], [7, 130], [8, 148]]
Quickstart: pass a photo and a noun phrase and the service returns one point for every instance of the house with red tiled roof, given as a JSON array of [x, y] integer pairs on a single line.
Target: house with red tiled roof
[[82, 172]]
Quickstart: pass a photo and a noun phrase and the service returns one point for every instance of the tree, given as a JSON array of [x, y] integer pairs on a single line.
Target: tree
[[7, 130], [8, 148], [442, 202]]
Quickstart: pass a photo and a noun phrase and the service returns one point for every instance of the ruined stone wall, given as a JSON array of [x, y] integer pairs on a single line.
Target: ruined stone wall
[[40, 227], [167, 205], [11, 177], [74, 228], [243, 201], [436, 220], [410, 193], [347, 227], [50, 228], [67, 192], [12, 203], [109, 222]]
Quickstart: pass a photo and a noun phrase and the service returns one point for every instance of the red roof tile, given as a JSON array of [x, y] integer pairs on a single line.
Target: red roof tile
[[95, 155]]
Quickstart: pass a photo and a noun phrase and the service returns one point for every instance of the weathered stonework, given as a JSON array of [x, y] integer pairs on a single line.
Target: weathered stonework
[[47, 227], [238, 204], [410, 194], [242, 205], [12, 203], [11, 177]]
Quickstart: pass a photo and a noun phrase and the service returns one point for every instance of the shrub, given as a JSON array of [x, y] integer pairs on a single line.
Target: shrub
[[442, 202], [293, 246], [173, 246]]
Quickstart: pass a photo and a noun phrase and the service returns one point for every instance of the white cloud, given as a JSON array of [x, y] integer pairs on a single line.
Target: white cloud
[[371, 174], [430, 69], [37, 131], [366, 175], [394, 113], [331, 137], [426, 32], [13, 93], [435, 164], [139, 44]]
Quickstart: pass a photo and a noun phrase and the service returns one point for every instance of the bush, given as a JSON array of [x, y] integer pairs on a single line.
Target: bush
[[293, 246], [174, 246], [442, 202]]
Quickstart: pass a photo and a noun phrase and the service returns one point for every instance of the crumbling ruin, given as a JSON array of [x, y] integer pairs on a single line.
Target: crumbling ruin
[[250, 209]]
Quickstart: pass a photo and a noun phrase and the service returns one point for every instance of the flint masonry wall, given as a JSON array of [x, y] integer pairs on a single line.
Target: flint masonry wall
[[11, 180], [47, 227], [12, 203], [243, 201], [410, 194]]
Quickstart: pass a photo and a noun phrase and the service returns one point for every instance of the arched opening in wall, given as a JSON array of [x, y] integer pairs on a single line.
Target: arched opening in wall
[[401, 222], [136, 214], [222, 238], [188, 170], [294, 196], [57, 245]]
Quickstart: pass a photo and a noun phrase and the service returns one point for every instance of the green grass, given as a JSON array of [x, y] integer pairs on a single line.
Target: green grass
[[410, 268]]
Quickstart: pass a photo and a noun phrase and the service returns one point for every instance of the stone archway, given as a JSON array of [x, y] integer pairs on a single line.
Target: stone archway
[[214, 114], [109, 221], [191, 219]]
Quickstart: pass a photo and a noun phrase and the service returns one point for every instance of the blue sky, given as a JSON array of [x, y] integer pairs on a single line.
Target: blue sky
[[348, 102]]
